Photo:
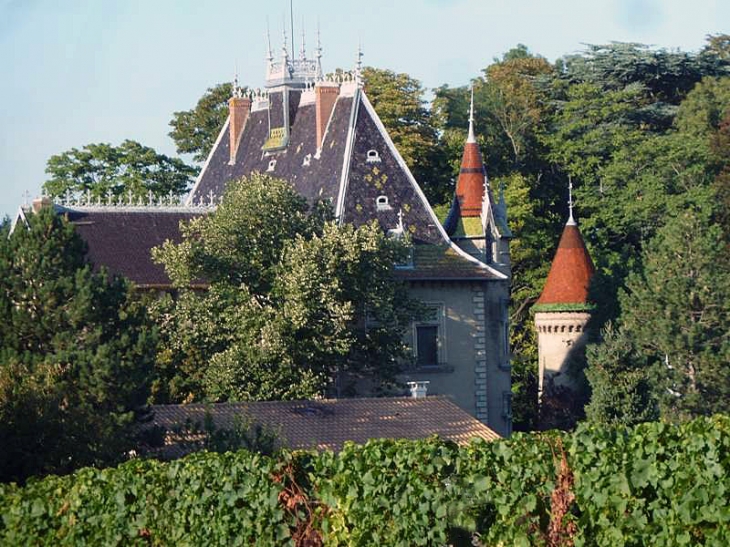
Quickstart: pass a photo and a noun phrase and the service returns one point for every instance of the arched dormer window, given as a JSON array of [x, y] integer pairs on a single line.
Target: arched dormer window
[[373, 156], [381, 203], [307, 160], [272, 164]]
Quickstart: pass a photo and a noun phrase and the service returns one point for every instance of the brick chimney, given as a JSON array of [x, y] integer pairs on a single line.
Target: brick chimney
[[240, 108], [43, 202], [325, 97]]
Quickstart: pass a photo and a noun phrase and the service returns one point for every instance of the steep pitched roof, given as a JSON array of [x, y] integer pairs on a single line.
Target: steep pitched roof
[[121, 238], [328, 424], [357, 167], [571, 271]]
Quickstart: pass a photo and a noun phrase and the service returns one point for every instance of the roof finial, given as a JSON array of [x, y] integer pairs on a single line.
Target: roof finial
[[302, 48], [358, 65], [269, 54], [320, 74], [283, 44], [571, 220], [236, 87], [291, 22], [471, 137], [359, 57]]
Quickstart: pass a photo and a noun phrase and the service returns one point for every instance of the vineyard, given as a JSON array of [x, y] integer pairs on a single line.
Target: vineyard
[[654, 484]]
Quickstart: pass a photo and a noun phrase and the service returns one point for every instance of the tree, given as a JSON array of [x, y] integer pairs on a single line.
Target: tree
[[75, 354], [195, 131], [515, 98], [294, 301], [678, 311], [129, 171], [618, 374], [399, 101]]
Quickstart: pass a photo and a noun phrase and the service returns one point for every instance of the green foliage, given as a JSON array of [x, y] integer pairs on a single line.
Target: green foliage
[[75, 354], [677, 309], [195, 131], [654, 484], [294, 301], [103, 171], [621, 392]]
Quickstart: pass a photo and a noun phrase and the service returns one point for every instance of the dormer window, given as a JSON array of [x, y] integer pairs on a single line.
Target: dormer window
[[307, 160], [272, 164], [373, 156], [381, 203]]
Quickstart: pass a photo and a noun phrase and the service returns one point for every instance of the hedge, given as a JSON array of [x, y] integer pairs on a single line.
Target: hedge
[[654, 484]]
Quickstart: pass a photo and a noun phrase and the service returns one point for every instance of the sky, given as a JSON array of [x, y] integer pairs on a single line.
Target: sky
[[86, 71]]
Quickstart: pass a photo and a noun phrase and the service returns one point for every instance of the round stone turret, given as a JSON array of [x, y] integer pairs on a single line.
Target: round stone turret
[[563, 311]]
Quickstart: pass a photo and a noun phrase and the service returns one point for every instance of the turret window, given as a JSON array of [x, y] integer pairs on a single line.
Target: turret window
[[373, 156]]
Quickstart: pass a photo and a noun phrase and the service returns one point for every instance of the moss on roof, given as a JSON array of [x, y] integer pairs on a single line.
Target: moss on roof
[[469, 227]]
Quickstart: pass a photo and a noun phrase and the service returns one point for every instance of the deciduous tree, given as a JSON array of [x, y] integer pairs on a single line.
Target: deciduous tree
[[295, 301], [129, 171]]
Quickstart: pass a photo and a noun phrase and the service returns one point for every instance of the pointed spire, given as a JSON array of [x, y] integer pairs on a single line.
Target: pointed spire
[[571, 220], [572, 268], [471, 137], [269, 54], [471, 186]]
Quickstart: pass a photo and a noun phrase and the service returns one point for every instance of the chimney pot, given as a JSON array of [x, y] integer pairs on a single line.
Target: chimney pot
[[42, 202], [418, 389]]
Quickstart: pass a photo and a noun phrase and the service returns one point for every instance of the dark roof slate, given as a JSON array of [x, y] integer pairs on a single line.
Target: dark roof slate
[[370, 179], [328, 424], [319, 180], [122, 240]]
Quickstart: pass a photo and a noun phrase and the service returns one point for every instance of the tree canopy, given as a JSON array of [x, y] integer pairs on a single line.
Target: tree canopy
[[75, 354], [295, 302], [129, 171], [195, 131]]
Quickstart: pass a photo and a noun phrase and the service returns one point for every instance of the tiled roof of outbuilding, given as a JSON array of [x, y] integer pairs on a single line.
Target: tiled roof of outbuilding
[[328, 424]]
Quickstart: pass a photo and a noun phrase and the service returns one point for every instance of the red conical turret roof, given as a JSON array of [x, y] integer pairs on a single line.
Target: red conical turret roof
[[470, 186], [571, 271]]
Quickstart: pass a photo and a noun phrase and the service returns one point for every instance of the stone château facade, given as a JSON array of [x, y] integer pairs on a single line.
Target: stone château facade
[[323, 136]]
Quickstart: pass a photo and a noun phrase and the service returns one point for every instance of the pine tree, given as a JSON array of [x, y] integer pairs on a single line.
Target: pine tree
[[75, 354], [678, 311], [621, 392]]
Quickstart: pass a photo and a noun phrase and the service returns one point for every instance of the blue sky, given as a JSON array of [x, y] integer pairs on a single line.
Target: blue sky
[[83, 71]]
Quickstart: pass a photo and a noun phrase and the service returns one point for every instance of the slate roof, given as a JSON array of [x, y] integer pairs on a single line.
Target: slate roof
[[121, 239], [442, 262], [328, 424], [319, 180], [571, 271], [344, 171]]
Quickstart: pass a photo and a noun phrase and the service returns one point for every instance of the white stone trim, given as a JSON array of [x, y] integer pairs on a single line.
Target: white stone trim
[[344, 178], [189, 201]]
